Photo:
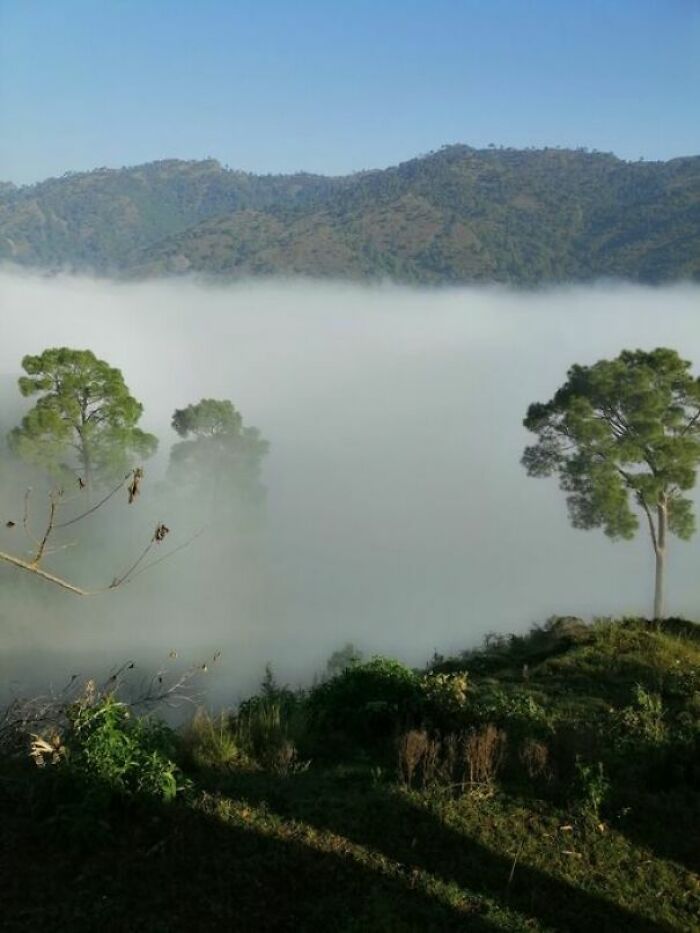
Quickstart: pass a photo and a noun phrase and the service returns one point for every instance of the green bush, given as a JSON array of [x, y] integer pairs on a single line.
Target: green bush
[[368, 702], [518, 710], [114, 752], [445, 698]]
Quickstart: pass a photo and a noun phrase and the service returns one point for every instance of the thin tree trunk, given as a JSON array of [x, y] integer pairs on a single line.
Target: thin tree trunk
[[660, 551]]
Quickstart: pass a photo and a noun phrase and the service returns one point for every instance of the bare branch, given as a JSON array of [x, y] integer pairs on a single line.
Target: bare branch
[[161, 531], [99, 504], [49, 528], [52, 578]]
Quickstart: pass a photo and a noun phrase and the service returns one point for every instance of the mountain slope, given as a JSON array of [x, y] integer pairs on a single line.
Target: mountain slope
[[92, 220], [458, 215]]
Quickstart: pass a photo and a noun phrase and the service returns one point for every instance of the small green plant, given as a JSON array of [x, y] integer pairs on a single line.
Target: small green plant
[[643, 721], [208, 741], [592, 787], [108, 748]]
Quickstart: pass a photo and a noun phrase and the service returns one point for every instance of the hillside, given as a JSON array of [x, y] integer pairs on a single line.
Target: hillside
[[546, 782], [457, 215], [93, 220]]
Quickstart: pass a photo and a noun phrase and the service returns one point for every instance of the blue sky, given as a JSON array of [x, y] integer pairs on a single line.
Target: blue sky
[[335, 86]]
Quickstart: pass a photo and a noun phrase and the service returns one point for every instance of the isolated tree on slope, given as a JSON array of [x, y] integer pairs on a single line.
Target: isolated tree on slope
[[619, 433], [84, 421], [219, 455]]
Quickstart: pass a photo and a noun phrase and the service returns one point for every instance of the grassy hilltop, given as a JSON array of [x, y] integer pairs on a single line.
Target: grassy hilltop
[[545, 782], [458, 215]]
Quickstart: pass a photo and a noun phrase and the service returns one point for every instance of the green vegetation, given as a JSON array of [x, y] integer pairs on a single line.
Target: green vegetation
[[219, 459], [456, 215], [545, 782], [85, 420], [624, 428], [82, 433]]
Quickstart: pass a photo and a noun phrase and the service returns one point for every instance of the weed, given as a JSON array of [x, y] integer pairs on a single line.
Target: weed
[[591, 787]]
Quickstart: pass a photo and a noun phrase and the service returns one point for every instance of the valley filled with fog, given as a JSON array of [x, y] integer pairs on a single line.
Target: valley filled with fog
[[398, 516]]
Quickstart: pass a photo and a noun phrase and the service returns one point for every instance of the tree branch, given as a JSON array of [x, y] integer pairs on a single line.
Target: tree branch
[[33, 568]]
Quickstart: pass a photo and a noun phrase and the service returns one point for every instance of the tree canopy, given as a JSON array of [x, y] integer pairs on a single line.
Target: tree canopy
[[621, 434], [218, 454], [85, 420]]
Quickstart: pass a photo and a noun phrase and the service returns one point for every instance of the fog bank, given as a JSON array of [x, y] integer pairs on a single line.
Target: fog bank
[[398, 515]]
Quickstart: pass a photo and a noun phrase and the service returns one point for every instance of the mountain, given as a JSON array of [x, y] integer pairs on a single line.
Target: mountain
[[94, 220], [457, 215]]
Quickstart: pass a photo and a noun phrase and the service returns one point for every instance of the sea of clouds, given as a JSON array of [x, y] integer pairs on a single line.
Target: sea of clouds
[[398, 515]]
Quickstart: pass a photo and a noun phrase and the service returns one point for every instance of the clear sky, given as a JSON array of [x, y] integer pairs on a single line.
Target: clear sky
[[339, 85]]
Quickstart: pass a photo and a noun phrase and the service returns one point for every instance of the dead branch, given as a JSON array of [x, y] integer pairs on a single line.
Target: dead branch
[[33, 568], [27, 718], [41, 545], [49, 528]]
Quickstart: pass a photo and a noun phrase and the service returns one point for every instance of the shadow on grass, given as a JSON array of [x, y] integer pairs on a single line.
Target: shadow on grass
[[380, 818], [166, 869], [666, 824]]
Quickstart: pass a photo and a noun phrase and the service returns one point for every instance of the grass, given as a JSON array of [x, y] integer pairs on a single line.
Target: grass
[[342, 845], [339, 849]]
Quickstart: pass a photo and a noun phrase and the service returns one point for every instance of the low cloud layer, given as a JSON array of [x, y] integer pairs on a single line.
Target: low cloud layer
[[398, 514]]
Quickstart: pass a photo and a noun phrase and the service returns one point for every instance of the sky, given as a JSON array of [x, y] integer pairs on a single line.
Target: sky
[[335, 87]]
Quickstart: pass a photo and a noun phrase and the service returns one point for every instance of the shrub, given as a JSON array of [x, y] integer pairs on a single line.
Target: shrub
[[445, 698], [367, 702], [459, 761], [268, 730], [484, 754], [109, 751], [643, 721], [208, 742], [414, 748], [519, 711], [591, 788]]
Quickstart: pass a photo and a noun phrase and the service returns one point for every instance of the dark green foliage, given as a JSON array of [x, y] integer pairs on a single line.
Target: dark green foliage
[[367, 702], [99, 752], [623, 429], [457, 215], [106, 746], [95, 220], [219, 459], [84, 421], [623, 433]]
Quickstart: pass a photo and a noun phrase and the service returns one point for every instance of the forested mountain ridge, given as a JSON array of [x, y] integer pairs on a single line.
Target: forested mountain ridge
[[456, 215], [93, 220]]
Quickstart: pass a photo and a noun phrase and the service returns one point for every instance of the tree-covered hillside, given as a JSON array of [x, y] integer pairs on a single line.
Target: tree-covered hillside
[[456, 215], [94, 220]]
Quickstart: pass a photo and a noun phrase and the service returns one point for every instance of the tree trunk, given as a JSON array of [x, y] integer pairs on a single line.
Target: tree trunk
[[660, 551]]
